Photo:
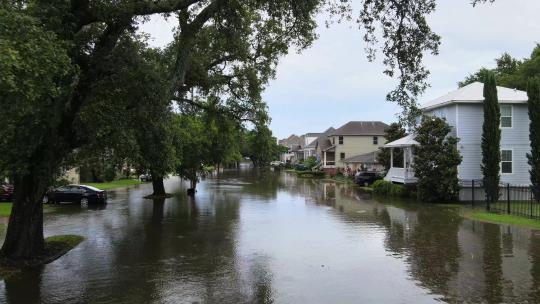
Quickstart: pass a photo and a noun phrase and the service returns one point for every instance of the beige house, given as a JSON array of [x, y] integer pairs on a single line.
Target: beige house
[[352, 139]]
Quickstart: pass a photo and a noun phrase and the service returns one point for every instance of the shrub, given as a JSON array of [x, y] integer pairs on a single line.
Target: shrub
[[383, 187]]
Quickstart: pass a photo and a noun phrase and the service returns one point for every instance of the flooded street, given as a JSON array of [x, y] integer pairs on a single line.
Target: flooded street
[[251, 237]]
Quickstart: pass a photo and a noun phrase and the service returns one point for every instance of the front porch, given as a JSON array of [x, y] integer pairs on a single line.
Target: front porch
[[401, 161]]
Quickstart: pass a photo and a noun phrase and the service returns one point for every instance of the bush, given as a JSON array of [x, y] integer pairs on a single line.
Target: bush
[[383, 187], [310, 162]]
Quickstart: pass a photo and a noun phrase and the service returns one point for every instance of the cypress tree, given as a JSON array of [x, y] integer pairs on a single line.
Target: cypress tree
[[533, 91], [491, 139]]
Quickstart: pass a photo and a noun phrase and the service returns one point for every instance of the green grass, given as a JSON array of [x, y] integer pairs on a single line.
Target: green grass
[[68, 240], [121, 183], [5, 209], [503, 218]]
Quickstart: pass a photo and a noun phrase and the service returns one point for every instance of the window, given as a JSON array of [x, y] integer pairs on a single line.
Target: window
[[333, 140], [506, 116], [375, 140], [506, 161], [341, 140], [342, 156]]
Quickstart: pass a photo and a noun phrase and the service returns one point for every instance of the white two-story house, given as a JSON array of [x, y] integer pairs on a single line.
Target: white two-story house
[[463, 110]]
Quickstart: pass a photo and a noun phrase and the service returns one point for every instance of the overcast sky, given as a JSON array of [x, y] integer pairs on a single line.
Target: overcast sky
[[332, 83]]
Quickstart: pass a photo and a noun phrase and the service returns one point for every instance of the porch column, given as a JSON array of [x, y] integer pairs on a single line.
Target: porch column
[[324, 157], [391, 157], [405, 157]]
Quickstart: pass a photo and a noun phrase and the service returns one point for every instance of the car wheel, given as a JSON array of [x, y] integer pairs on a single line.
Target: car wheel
[[84, 201]]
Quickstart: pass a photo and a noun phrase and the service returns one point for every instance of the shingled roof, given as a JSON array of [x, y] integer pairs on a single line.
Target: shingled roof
[[323, 141], [361, 128]]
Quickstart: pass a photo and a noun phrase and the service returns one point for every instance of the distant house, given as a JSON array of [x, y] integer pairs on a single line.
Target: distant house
[[352, 139], [463, 110], [294, 145], [310, 145]]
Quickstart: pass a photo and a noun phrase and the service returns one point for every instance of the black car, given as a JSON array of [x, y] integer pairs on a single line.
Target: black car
[[366, 178], [76, 194], [6, 192]]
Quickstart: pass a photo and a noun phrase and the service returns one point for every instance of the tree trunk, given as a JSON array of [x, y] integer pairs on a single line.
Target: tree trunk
[[24, 237], [159, 187]]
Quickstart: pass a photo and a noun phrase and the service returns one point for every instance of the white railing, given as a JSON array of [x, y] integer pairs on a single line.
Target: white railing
[[401, 175]]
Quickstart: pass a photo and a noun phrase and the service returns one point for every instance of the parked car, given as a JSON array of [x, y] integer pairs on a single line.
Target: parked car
[[301, 167], [277, 163], [366, 178], [6, 192], [76, 194], [145, 177]]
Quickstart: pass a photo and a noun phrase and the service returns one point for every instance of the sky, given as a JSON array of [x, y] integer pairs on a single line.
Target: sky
[[332, 82]]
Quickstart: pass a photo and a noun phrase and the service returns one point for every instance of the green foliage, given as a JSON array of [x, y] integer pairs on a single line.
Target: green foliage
[[436, 161], [510, 72], [260, 146], [310, 162], [394, 132], [35, 69], [193, 144], [387, 188], [491, 139], [533, 91]]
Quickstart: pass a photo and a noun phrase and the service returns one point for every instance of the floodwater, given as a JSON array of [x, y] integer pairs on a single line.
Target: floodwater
[[253, 237]]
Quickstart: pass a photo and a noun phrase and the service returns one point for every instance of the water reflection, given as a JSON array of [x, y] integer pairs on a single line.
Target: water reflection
[[265, 237]]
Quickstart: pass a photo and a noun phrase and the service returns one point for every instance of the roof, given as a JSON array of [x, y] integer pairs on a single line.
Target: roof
[[367, 158], [474, 93], [322, 141], [291, 141], [325, 144], [313, 134], [361, 128], [406, 141]]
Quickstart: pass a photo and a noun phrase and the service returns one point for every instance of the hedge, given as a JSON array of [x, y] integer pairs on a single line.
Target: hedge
[[383, 187]]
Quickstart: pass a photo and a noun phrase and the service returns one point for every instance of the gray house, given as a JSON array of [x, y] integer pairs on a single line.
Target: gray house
[[463, 110]]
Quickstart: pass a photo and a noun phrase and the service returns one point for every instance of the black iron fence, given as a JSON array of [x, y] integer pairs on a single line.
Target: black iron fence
[[513, 199]]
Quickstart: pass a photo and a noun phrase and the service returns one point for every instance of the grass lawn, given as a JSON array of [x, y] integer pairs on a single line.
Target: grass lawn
[[121, 183], [503, 218], [5, 209]]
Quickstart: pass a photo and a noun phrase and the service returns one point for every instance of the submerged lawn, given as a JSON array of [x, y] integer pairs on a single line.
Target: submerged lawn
[[115, 184], [503, 218]]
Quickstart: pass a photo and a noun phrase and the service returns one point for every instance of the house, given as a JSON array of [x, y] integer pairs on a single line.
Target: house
[[352, 139], [364, 162], [309, 146], [294, 145], [463, 110]]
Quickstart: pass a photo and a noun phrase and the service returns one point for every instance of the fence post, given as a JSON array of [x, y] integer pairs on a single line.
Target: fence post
[[473, 192], [508, 198]]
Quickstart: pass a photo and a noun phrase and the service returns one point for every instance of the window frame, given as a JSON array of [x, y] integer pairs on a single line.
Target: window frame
[[340, 140], [341, 155], [511, 116], [375, 140], [511, 161]]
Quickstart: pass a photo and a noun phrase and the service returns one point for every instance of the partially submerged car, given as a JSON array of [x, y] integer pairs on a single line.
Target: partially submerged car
[[145, 177], [366, 178], [82, 194]]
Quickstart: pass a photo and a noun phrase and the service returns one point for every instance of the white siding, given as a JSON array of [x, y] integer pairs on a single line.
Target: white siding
[[469, 130], [449, 113]]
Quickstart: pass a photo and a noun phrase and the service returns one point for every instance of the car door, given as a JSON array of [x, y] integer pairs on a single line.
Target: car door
[[61, 194]]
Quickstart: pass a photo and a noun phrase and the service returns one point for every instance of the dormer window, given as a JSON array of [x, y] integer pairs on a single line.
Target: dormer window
[[506, 116]]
